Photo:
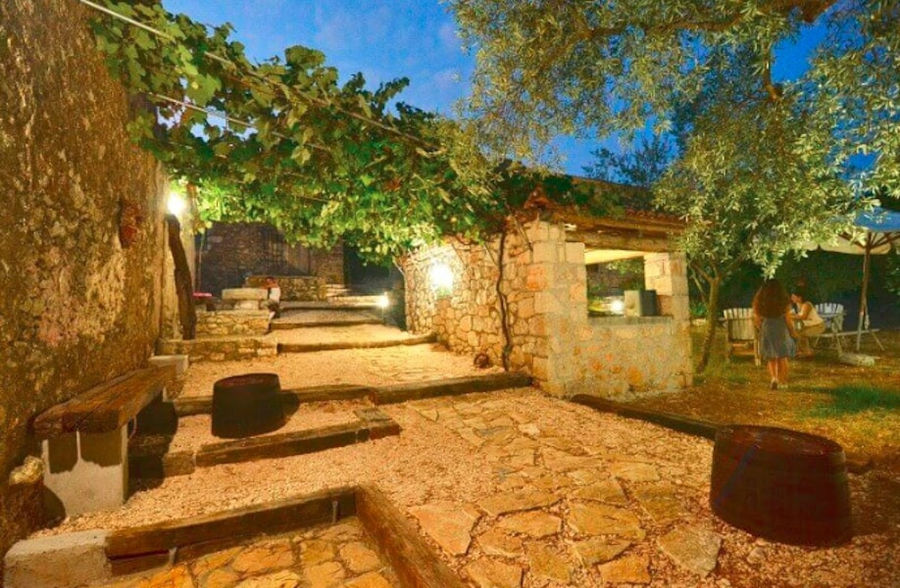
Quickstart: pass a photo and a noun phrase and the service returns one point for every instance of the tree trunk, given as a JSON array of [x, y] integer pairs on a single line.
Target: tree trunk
[[712, 313], [184, 288]]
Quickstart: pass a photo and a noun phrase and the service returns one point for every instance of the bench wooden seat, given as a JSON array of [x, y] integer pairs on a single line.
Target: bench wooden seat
[[106, 407]]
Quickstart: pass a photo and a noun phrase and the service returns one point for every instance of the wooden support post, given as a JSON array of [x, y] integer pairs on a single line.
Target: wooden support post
[[184, 287]]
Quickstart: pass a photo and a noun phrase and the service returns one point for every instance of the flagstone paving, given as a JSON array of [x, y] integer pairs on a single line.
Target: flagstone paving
[[326, 556], [513, 488]]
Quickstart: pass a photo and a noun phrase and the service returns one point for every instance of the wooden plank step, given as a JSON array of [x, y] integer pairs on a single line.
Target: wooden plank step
[[414, 562], [288, 326], [106, 407], [191, 405], [274, 517], [332, 346], [395, 393]]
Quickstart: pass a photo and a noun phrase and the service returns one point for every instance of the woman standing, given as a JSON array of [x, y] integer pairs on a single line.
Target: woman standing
[[772, 315], [810, 323]]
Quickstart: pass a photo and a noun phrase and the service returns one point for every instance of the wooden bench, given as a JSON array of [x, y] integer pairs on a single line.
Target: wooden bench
[[85, 440]]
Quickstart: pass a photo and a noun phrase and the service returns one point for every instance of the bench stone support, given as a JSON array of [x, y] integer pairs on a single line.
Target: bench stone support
[[85, 472], [57, 561]]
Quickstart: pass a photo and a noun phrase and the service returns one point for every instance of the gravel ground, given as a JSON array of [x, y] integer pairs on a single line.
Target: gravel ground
[[370, 367], [351, 334], [194, 431], [460, 451]]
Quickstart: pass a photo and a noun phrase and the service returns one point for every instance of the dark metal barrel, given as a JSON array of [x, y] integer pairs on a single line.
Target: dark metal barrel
[[781, 485], [247, 405]]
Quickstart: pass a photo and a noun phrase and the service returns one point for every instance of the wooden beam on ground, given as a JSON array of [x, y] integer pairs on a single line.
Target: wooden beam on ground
[[414, 562], [332, 346], [191, 405], [450, 387], [274, 517], [676, 422], [683, 424]]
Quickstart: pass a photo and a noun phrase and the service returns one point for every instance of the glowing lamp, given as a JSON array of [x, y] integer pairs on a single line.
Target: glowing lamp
[[617, 306], [175, 204], [383, 302], [441, 277]]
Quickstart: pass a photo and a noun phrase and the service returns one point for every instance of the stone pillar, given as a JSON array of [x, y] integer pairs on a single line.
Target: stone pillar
[[667, 274], [85, 472]]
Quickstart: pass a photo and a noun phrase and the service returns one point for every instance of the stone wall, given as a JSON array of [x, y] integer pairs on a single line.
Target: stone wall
[[78, 307], [232, 252], [300, 288], [552, 338], [219, 348], [223, 323]]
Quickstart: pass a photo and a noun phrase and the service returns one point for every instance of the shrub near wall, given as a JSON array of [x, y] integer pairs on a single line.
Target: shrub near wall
[[77, 308]]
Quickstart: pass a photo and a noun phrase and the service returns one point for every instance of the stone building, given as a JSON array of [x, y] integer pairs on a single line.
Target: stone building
[[229, 253], [455, 290]]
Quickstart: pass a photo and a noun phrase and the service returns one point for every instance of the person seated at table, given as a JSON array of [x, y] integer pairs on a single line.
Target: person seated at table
[[273, 301], [807, 320]]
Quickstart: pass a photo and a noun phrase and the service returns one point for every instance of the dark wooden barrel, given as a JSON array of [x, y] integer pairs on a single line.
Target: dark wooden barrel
[[781, 485], [247, 405]]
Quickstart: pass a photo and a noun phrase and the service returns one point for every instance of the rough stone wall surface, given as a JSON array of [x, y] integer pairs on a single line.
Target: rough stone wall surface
[[224, 323], [234, 251], [77, 308], [300, 288], [219, 348], [552, 337]]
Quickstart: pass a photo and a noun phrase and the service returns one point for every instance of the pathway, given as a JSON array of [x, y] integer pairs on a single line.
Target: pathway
[[517, 489]]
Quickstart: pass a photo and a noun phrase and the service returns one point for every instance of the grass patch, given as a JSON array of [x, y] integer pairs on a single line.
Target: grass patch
[[852, 399]]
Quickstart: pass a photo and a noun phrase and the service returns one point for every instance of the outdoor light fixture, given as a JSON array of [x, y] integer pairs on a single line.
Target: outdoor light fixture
[[617, 306], [383, 302], [441, 277], [175, 204]]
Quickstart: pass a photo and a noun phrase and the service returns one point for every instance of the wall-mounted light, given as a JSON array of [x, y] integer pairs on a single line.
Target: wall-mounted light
[[383, 301], [441, 277], [176, 204], [617, 306]]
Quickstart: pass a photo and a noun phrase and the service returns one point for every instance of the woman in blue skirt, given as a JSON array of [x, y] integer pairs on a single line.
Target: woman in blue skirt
[[772, 315]]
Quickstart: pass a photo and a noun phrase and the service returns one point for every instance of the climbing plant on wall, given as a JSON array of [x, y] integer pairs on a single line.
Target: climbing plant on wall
[[282, 141]]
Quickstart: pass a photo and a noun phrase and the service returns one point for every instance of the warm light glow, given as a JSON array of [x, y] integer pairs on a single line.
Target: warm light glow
[[176, 204], [441, 277], [383, 301], [617, 306]]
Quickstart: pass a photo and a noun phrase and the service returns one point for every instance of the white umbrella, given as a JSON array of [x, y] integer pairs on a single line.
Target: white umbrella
[[881, 231]]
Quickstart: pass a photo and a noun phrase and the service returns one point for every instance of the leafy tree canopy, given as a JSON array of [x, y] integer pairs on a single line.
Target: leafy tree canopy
[[284, 142], [546, 67]]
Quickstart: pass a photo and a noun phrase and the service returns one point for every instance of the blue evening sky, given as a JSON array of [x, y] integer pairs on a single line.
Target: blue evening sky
[[400, 38]]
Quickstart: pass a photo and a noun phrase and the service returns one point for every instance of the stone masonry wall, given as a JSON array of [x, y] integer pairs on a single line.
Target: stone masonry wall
[[222, 323], [301, 288], [552, 337], [77, 307], [234, 251]]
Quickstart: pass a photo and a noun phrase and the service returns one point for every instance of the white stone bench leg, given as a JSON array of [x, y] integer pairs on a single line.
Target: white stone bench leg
[[85, 472]]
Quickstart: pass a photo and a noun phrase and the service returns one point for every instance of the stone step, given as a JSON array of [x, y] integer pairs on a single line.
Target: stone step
[[288, 325], [335, 345], [334, 304]]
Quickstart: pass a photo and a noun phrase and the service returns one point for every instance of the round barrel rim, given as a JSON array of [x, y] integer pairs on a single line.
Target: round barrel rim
[[251, 379], [779, 440]]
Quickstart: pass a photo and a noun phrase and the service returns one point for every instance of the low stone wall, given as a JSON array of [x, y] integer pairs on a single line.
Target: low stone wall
[[219, 348], [299, 288], [551, 336], [222, 323]]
